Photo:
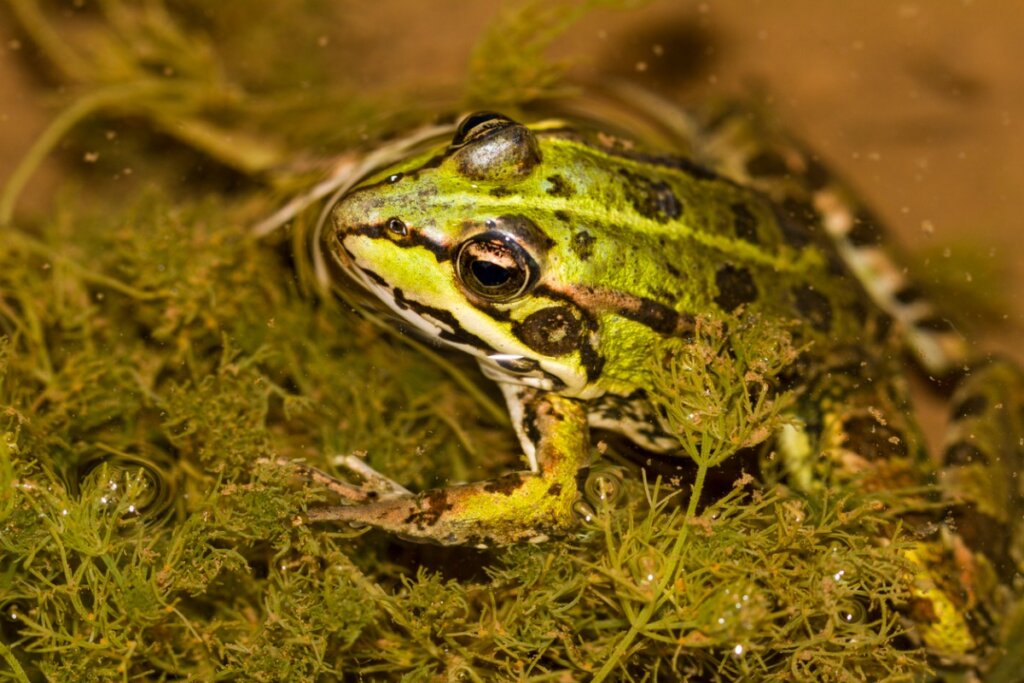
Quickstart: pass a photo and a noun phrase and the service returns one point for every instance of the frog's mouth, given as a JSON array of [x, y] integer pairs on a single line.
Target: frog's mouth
[[434, 326]]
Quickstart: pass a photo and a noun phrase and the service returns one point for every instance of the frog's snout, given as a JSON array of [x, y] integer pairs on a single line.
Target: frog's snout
[[346, 216]]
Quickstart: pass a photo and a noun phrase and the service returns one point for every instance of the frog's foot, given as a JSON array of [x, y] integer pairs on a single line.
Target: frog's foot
[[378, 485], [522, 506], [375, 487]]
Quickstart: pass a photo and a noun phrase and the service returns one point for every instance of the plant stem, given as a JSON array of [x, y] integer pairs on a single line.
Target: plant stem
[[666, 579], [53, 134]]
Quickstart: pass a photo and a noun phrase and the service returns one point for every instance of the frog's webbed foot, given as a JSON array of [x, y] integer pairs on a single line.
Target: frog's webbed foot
[[521, 506]]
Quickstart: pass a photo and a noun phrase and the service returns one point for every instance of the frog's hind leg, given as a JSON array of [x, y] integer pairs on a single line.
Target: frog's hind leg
[[866, 440], [856, 428], [864, 247], [745, 143], [983, 463], [979, 557]]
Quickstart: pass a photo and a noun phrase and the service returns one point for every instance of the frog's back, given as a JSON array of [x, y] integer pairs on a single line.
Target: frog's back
[[676, 234], [747, 145]]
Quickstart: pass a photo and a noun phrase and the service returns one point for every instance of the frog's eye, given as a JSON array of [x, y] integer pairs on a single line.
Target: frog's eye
[[478, 126], [492, 147], [495, 267]]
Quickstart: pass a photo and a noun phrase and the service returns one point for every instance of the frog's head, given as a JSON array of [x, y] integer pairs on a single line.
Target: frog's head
[[451, 242]]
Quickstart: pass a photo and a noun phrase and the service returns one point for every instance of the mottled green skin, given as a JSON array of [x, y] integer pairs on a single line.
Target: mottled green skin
[[620, 233], [619, 249]]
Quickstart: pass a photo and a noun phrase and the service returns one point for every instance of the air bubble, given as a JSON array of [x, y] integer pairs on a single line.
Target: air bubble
[[152, 494], [851, 612], [648, 567], [603, 486], [583, 511], [12, 618]]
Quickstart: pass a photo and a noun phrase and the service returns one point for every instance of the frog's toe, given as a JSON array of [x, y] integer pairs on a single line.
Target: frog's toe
[[375, 487], [374, 480]]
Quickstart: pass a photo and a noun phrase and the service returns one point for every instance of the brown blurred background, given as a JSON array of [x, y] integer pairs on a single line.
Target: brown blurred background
[[919, 103]]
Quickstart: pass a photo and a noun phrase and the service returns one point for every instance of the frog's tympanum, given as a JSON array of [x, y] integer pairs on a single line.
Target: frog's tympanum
[[561, 257]]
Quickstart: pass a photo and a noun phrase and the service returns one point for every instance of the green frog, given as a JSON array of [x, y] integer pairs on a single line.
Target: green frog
[[561, 255]]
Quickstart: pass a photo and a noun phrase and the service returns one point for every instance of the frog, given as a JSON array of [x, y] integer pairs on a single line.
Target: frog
[[561, 255]]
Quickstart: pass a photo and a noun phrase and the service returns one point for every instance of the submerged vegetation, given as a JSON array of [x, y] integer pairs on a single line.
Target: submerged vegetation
[[156, 360], [139, 538]]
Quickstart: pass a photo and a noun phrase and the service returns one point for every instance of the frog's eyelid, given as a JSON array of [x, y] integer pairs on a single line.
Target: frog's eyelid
[[477, 126]]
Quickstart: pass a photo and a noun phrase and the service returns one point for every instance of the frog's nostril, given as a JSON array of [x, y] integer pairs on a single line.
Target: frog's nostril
[[397, 227]]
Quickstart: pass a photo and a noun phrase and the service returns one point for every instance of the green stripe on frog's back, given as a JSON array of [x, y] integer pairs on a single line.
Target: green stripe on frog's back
[[746, 145], [652, 200], [624, 240], [662, 209]]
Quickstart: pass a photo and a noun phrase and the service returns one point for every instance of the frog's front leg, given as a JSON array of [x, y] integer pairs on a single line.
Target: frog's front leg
[[521, 506]]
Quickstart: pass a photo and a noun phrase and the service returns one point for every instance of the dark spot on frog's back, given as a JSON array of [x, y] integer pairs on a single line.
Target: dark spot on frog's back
[[798, 222], [872, 440], [560, 187], [816, 174], [744, 222], [972, 406], [964, 453], [813, 306], [582, 245], [908, 294], [552, 331], [506, 485], [735, 287], [652, 199]]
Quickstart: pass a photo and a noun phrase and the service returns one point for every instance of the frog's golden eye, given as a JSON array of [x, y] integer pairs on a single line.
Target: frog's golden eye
[[478, 126], [495, 267]]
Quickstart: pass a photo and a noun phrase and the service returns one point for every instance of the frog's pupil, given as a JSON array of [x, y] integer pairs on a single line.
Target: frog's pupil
[[490, 274]]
